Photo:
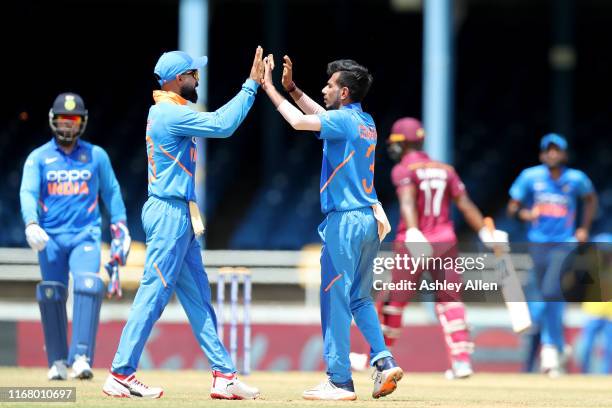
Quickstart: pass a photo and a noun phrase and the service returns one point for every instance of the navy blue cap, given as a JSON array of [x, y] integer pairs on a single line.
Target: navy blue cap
[[68, 103], [173, 63], [554, 139]]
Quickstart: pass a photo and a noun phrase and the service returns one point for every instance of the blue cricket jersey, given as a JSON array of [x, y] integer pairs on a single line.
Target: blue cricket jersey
[[349, 147], [171, 131], [553, 200], [61, 191]]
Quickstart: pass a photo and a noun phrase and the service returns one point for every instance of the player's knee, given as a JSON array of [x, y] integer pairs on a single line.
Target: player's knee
[[51, 291], [88, 284]]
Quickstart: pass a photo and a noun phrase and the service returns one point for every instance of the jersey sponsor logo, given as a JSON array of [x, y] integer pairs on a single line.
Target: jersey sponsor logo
[[68, 175], [551, 205], [68, 182], [50, 160], [88, 248]]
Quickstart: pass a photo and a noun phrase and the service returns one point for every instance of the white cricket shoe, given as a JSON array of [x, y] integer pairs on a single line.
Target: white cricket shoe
[[229, 387], [329, 391], [129, 387], [58, 371], [386, 377], [359, 362], [81, 368], [460, 370], [550, 363]]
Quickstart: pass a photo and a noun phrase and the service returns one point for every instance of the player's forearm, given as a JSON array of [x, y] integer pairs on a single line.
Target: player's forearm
[[474, 218], [29, 207], [409, 212], [306, 104], [227, 118], [290, 113], [470, 212], [513, 208], [589, 211]]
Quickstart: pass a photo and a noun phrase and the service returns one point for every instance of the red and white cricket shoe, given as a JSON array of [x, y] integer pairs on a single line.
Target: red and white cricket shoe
[[122, 386], [229, 387]]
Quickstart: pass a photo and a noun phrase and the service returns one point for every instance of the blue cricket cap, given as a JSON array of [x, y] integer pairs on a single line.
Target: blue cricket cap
[[173, 63], [555, 139]]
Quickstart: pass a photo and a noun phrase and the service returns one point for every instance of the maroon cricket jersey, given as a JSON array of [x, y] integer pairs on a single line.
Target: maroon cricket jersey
[[437, 184]]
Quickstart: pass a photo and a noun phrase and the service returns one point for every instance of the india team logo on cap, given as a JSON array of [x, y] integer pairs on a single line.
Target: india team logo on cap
[[89, 283], [49, 293], [69, 102]]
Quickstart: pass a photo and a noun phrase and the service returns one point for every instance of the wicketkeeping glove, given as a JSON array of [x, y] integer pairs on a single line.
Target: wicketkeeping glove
[[120, 248], [120, 244]]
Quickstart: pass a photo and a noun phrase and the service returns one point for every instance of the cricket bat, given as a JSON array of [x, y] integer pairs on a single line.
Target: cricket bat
[[512, 289]]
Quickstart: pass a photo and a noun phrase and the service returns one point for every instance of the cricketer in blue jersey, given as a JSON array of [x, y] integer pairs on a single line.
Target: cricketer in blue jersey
[[354, 223], [546, 196], [62, 183], [171, 222]]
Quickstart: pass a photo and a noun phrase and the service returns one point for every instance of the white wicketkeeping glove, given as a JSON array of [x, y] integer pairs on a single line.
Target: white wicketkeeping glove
[[37, 237], [417, 244], [494, 239]]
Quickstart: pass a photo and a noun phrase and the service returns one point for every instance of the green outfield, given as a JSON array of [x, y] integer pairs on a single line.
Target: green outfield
[[190, 389]]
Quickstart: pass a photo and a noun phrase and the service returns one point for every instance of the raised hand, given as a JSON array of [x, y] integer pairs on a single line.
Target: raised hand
[[257, 69], [268, 68], [287, 79]]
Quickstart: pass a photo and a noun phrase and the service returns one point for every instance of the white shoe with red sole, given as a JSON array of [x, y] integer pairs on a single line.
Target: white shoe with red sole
[[229, 387], [129, 387]]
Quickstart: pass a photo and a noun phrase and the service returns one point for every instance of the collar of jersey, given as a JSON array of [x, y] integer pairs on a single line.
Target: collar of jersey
[[416, 155], [169, 97], [355, 106], [58, 148]]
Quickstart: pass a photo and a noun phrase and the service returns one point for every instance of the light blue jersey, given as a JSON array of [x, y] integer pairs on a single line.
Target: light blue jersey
[[349, 147], [61, 191], [173, 261], [171, 131], [554, 201]]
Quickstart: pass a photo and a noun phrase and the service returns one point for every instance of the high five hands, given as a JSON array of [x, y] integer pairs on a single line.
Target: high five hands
[[287, 78], [257, 69]]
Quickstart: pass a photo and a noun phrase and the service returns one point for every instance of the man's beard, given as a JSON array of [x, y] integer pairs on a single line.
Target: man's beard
[[191, 94], [336, 103]]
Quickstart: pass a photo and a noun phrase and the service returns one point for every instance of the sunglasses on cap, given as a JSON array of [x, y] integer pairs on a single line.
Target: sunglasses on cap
[[194, 73]]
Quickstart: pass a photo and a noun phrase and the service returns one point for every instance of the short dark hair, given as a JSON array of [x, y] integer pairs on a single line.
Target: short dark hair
[[355, 77]]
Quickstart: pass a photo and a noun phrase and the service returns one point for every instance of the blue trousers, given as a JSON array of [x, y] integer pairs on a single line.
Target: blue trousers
[[78, 254], [545, 294], [350, 244], [173, 263], [74, 253], [591, 330]]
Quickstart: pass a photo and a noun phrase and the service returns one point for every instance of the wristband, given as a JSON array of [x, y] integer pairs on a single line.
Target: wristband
[[292, 87]]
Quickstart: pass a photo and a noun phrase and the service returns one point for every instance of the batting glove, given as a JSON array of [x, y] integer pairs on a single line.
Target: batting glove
[[417, 244], [36, 236], [120, 244], [494, 239]]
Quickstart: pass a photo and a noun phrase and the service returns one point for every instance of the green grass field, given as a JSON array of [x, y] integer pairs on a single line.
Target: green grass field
[[190, 389]]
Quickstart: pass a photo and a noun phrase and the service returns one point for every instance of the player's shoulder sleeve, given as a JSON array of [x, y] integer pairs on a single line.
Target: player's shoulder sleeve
[[521, 187], [401, 175], [583, 182], [335, 125]]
